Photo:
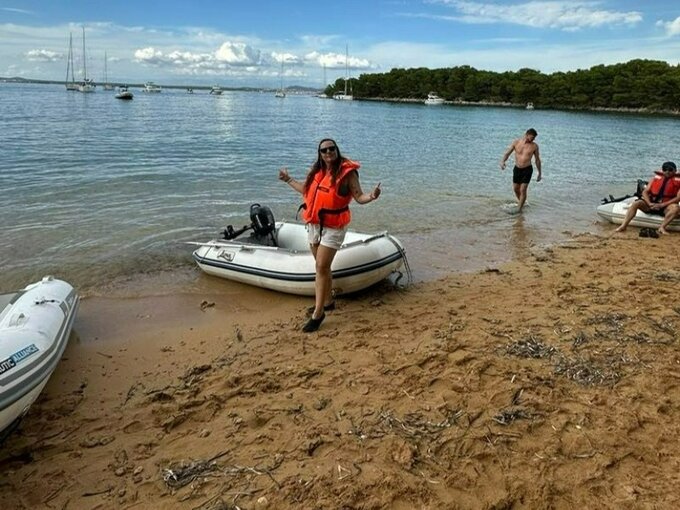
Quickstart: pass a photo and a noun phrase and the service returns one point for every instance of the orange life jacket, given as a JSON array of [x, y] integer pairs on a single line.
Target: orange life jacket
[[669, 191], [323, 203]]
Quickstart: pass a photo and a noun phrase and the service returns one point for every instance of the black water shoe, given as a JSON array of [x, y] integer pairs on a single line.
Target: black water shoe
[[313, 324]]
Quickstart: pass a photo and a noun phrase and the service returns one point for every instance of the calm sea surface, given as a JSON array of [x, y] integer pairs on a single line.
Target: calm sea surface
[[103, 192]]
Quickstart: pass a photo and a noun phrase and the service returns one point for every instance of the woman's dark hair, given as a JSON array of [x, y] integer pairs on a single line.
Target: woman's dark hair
[[319, 164]]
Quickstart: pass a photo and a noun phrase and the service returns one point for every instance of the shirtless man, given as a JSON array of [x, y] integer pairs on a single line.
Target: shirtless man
[[525, 148]]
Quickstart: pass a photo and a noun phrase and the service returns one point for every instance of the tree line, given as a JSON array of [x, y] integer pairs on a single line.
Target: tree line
[[638, 84]]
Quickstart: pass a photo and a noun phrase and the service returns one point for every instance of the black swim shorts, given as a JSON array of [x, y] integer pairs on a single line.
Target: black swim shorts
[[658, 212], [522, 175]]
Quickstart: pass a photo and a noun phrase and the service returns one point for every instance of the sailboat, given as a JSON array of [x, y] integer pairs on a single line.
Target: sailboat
[[107, 85], [87, 85], [70, 84], [281, 92], [322, 94], [345, 96]]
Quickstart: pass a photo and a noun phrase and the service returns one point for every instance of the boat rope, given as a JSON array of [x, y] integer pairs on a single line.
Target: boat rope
[[402, 252], [42, 301]]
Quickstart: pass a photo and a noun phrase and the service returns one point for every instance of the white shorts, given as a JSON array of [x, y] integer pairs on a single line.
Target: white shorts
[[330, 237]]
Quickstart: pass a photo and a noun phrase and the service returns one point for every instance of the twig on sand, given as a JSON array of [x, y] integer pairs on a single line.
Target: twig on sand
[[97, 493], [414, 425], [185, 474], [508, 416]]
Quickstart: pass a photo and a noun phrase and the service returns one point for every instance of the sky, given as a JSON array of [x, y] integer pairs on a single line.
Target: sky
[[235, 43]]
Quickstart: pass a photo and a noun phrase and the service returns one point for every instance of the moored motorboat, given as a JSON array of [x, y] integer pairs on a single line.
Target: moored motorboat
[[276, 256], [124, 93], [433, 99], [150, 86], [35, 325]]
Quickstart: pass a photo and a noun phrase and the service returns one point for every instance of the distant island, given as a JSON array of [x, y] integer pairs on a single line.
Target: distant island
[[295, 89], [638, 85], [641, 86]]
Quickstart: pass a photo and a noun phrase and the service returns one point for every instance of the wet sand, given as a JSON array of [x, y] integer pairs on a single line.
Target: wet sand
[[548, 382]]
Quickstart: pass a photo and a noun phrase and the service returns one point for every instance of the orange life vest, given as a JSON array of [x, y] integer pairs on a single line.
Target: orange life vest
[[323, 203], [669, 191]]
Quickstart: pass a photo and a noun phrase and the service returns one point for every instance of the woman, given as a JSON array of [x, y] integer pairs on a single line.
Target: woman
[[330, 185]]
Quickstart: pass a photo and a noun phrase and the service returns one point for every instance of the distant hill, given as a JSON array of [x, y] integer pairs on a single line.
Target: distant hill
[[295, 89]]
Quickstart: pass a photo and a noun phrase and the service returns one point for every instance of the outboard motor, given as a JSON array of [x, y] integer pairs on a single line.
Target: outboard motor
[[263, 222], [230, 233]]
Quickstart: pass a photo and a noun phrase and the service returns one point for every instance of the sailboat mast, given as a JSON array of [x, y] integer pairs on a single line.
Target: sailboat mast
[[84, 58], [70, 55], [346, 66], [73, 71], [106, 73]]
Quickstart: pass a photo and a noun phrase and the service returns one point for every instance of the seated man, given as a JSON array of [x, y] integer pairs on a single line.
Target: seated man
[[660, 196]]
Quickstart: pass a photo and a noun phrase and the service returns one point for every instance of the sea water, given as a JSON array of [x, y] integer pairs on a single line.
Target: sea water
[[103, 192]]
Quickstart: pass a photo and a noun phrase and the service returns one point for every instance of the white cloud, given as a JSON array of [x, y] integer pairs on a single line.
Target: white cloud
[[287, 58], [43, 56], [564, 15], [337, 61], [237, 54], [672, 28], [18, 11]]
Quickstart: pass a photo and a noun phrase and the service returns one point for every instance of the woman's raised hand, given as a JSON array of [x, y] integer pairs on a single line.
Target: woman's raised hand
[[376, 192], [283, 175]]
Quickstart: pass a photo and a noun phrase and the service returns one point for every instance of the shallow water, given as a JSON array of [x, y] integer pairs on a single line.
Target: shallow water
[[104, 192]]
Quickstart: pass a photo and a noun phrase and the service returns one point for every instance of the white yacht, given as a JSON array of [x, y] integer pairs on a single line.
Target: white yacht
[[433, 99], [216, 90], [530, 106], [150, 86]]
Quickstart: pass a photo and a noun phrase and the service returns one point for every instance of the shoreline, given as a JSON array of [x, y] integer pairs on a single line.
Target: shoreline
[[550, 379], [501, 104], [302, 91]]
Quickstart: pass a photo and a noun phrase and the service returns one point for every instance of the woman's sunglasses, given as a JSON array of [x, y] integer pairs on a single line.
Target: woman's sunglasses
[[324, 150]]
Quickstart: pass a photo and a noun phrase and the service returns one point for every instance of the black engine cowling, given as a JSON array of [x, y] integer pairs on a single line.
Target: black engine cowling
[[262, 219]]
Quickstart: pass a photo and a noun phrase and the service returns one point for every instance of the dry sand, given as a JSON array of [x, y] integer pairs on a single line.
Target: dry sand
[[550, 382]]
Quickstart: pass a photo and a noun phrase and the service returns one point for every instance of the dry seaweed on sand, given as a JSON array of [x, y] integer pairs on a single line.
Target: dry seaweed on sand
[[415, 425], [530, 347], [587, 372], [182, 474], [507, 416]]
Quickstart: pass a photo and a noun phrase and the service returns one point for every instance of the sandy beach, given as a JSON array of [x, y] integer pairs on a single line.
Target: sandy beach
[[548, 382]]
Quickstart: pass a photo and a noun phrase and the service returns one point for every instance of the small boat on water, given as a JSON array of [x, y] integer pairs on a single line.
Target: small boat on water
[[615, 212], [150, 86], [124, 93], [345, 95], [87, 85], [35, 325], [276, 255], [216, 90], [530, 106], [433, 99]]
